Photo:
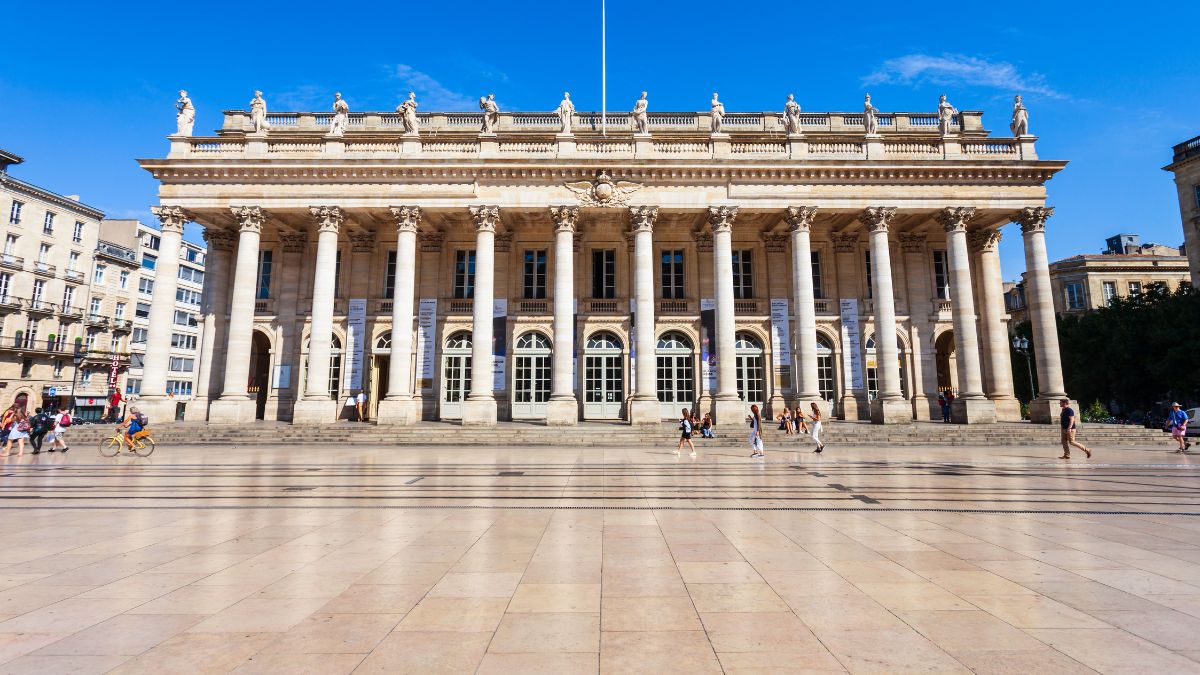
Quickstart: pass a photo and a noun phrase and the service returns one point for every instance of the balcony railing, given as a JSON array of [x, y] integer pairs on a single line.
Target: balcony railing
[[747, 307], [73, 275], [10, 303], [1187, 149], [264, 306], [12, 262], [533, 307], [97, 319], [603, 306], [824, 306], [41, 306], [44, 269], [383, 306], [121, 324], [26, 343], [672, 306], [71, 312], [116, 252]]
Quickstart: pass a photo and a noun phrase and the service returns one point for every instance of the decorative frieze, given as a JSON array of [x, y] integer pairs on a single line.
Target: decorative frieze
[[775, 243], [362, 241], [293, 242], [431, 242], [218, 239], [912, 243], [704, 241], [504, 242]]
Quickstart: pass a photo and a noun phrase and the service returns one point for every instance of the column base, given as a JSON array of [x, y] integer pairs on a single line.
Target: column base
[[231, 410], [480, 412], [973, 411], [1046, 410], [645, 411], [398, 411], [562, 412], [160, 409], [1007, 409], [898, 411], [315, 411], [850, 407], [197, 410], [730, 412]]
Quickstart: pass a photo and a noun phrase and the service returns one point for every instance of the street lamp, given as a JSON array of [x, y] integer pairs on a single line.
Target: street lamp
[[1021, 345], [78, 359]]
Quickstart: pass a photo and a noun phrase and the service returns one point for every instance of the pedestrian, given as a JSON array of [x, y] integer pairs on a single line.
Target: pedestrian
[[17, 425], [801, 425], [114, 406], [685, 431], [756, 443], [39, 425], [816, 428], [58, 435], [706, 426], [1067, 420], [1178, 421], [944, 403], [360, 403]]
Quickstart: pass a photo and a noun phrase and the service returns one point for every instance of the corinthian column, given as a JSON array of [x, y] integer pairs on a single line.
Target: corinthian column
[[999, 380], [155, 401], [970, 406], [235, 405], [316, 406], [480, 407], [215, 299], [1040, 298], [563, 409], [399, 407], [644, 408], [804, 361], [727, 406], [889, 407]]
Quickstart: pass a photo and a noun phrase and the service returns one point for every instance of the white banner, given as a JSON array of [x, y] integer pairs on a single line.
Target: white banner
[[356, 326], [852, 366], [426, 327], [708, 343], [633, 347], [499, 342], [781, 343]]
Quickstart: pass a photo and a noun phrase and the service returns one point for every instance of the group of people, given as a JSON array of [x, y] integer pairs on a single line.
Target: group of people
[[688, 422], [790, 422], [17, 426]]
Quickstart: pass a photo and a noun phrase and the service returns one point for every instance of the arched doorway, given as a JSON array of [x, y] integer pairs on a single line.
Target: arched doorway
[[751, 376], [531, 376], [947, 368], [826, 373], [873, 372], [603, 377], [456, 374], [260, 372], [676, 373], [335, 368], [381, 362]]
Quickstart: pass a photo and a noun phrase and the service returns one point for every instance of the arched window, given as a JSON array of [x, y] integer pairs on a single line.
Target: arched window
[[603, 377], [675, 372], [531, 376], [873, 372], [456, 374], [533, 340], [460, 340], [603, 340], [383, 343], [335, 364], [673, 340], [751, 373], [826, 375]]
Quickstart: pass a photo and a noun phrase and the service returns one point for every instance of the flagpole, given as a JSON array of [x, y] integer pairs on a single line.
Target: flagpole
[[603, 72]]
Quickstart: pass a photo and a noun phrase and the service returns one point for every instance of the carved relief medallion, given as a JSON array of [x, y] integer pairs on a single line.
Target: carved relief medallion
[[603, 191]]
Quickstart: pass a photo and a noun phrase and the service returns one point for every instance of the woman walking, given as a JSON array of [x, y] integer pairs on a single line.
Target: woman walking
[[816, 428], [18, 429], [685, 431], [756, 443]]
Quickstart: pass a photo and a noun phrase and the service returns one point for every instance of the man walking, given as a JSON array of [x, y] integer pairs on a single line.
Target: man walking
[[39, 425], [1178, 421], [1067, 420], [360, 402]]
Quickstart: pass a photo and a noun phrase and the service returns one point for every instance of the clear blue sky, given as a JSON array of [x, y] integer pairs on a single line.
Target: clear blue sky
[[1109, 87]]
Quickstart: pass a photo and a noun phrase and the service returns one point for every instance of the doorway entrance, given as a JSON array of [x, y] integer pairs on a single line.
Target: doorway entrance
[[751, 378], [531, 376], [456, 374], [676, 374], [603, 377], [260, 373]]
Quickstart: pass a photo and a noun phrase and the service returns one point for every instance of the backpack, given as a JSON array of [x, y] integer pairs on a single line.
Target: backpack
[[6, 421], [685, 426], [64, 420], [39, 422], [143, 420]]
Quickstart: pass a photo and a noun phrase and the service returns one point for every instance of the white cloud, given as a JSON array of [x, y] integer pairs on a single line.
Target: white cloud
[[959, 69], [431, 94]]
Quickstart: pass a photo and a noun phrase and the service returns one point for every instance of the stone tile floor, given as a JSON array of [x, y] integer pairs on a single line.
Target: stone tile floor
[[540, 560]]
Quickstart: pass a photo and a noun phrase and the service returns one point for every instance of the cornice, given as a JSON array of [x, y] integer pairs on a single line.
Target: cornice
[[18, 185]]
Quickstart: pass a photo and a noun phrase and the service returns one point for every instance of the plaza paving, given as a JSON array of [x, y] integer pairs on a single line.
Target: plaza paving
[[334, 559]]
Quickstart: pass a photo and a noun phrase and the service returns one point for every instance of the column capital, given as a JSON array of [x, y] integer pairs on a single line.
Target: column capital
[[845, 243], [876, 218], [219, 240], [912, 243], [487, 218], [250, 218], [170, 218], [800, 218], [984, 240], [1033, 218], [566, 218], [721, 218], [955, 218], [329, 218], [641, 218], [362, 241], [293, 242], [408, 218]]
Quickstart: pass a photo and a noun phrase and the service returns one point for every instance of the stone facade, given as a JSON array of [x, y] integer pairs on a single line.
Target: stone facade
[[1185, 164], [608, 276]]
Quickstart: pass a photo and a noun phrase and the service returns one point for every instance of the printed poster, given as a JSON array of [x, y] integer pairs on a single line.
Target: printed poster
[[356, 326], [851, 343], [426, 325]]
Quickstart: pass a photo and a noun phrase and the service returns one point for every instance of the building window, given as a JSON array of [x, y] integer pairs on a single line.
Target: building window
[[48, 223], [68, 297], [604, 273], [1110, 291], [142, 310], [119, 313], [145, 286], [337, 272], [193, 256], [179, 387], [182, 341], [94, 308], [58, 368], [389, 277], [89, 342], [5, 284], [139, 336], [187, 297], [941, 275], [85, 376], [263, 287], [31, 332], [14, 213], [98, 277], [818, 287], [10, 244], [39, 290], [123, 281], [133, 386], [77, 235], [1135, 288], [184, 318], [1074, 293], [181, 365], [114, 344], [152, 242], [534, 278], [73, 261], [26, 368], [464, 274], [743, 274], [191, 274], [1195, 188], [149, 261], [43, 253], [868, 291], [672, 274]]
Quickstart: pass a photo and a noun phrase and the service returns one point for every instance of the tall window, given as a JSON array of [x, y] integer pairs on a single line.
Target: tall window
[[94, 308], [152, 241], [604, 273], [73, 261], [119, 312], [14, 213], [263, 287], [85, 376], [337, 272], [1074, 293], [818, 287], [43, 253], [10, 244], [672, 275], [48, 223], [5, 285], [1110, 291], [31, 331], [743, 274], [98, 277], [39, 290], [68, 297], [139, 336], [77, 234], [123, 280], [867, 259], [1135, 288], [389, 278], [941, 275], [58, 367], [149, 261], [534, 279], [1195, 188], [464, 274]]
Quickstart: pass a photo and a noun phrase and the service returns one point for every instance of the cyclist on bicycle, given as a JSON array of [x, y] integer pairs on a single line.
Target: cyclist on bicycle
[[134, 424]]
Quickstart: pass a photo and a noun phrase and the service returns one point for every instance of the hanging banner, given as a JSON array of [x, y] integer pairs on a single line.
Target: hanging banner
[[852, 365], [781, 345], [575, 345], [708, 343], [499, 342], [114, 370], [426, 325], [356, 327]]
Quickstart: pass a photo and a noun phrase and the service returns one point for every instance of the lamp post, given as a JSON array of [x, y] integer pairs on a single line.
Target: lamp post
[[77, 358], [1021, 345]]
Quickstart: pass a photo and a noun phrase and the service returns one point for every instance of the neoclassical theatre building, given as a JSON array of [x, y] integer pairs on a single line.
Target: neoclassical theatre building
[[493, 266]]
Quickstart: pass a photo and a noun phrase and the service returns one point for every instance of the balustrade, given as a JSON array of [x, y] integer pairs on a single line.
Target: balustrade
[[602, 306], [460, 147], [605, 147], [683, 147], [835, 148], [672, 306], [747, 307], [533, 307], [758, 148], [992, 147]]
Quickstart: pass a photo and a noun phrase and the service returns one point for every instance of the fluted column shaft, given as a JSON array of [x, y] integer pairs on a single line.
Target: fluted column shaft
[[643, 291], [1039, 297], [329, 219], [804, 361], [966, 337], [404, 285], [158, 336], [481, 310], [887, 365], [562, 386], [239, 333], [991, 312]]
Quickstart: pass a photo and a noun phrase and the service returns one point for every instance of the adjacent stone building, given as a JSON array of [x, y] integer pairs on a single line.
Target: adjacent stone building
[[1185, 164], [476, 267]]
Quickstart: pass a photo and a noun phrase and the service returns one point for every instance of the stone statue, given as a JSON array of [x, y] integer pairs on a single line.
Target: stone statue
[[185, 116], [566, 112], [491, 113], [258, 113], [791, 115], [716, 115], [946, 113], [870, 124], [1020, 118], [641, 121], [408, 114], [341, 115]]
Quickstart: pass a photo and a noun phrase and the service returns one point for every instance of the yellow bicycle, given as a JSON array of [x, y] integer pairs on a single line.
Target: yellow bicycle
[[142, 445]]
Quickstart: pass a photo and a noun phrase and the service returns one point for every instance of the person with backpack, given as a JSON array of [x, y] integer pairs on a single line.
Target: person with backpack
[[16, 422], [685, 431], [58, 435], [134, 424], [40, 425]]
